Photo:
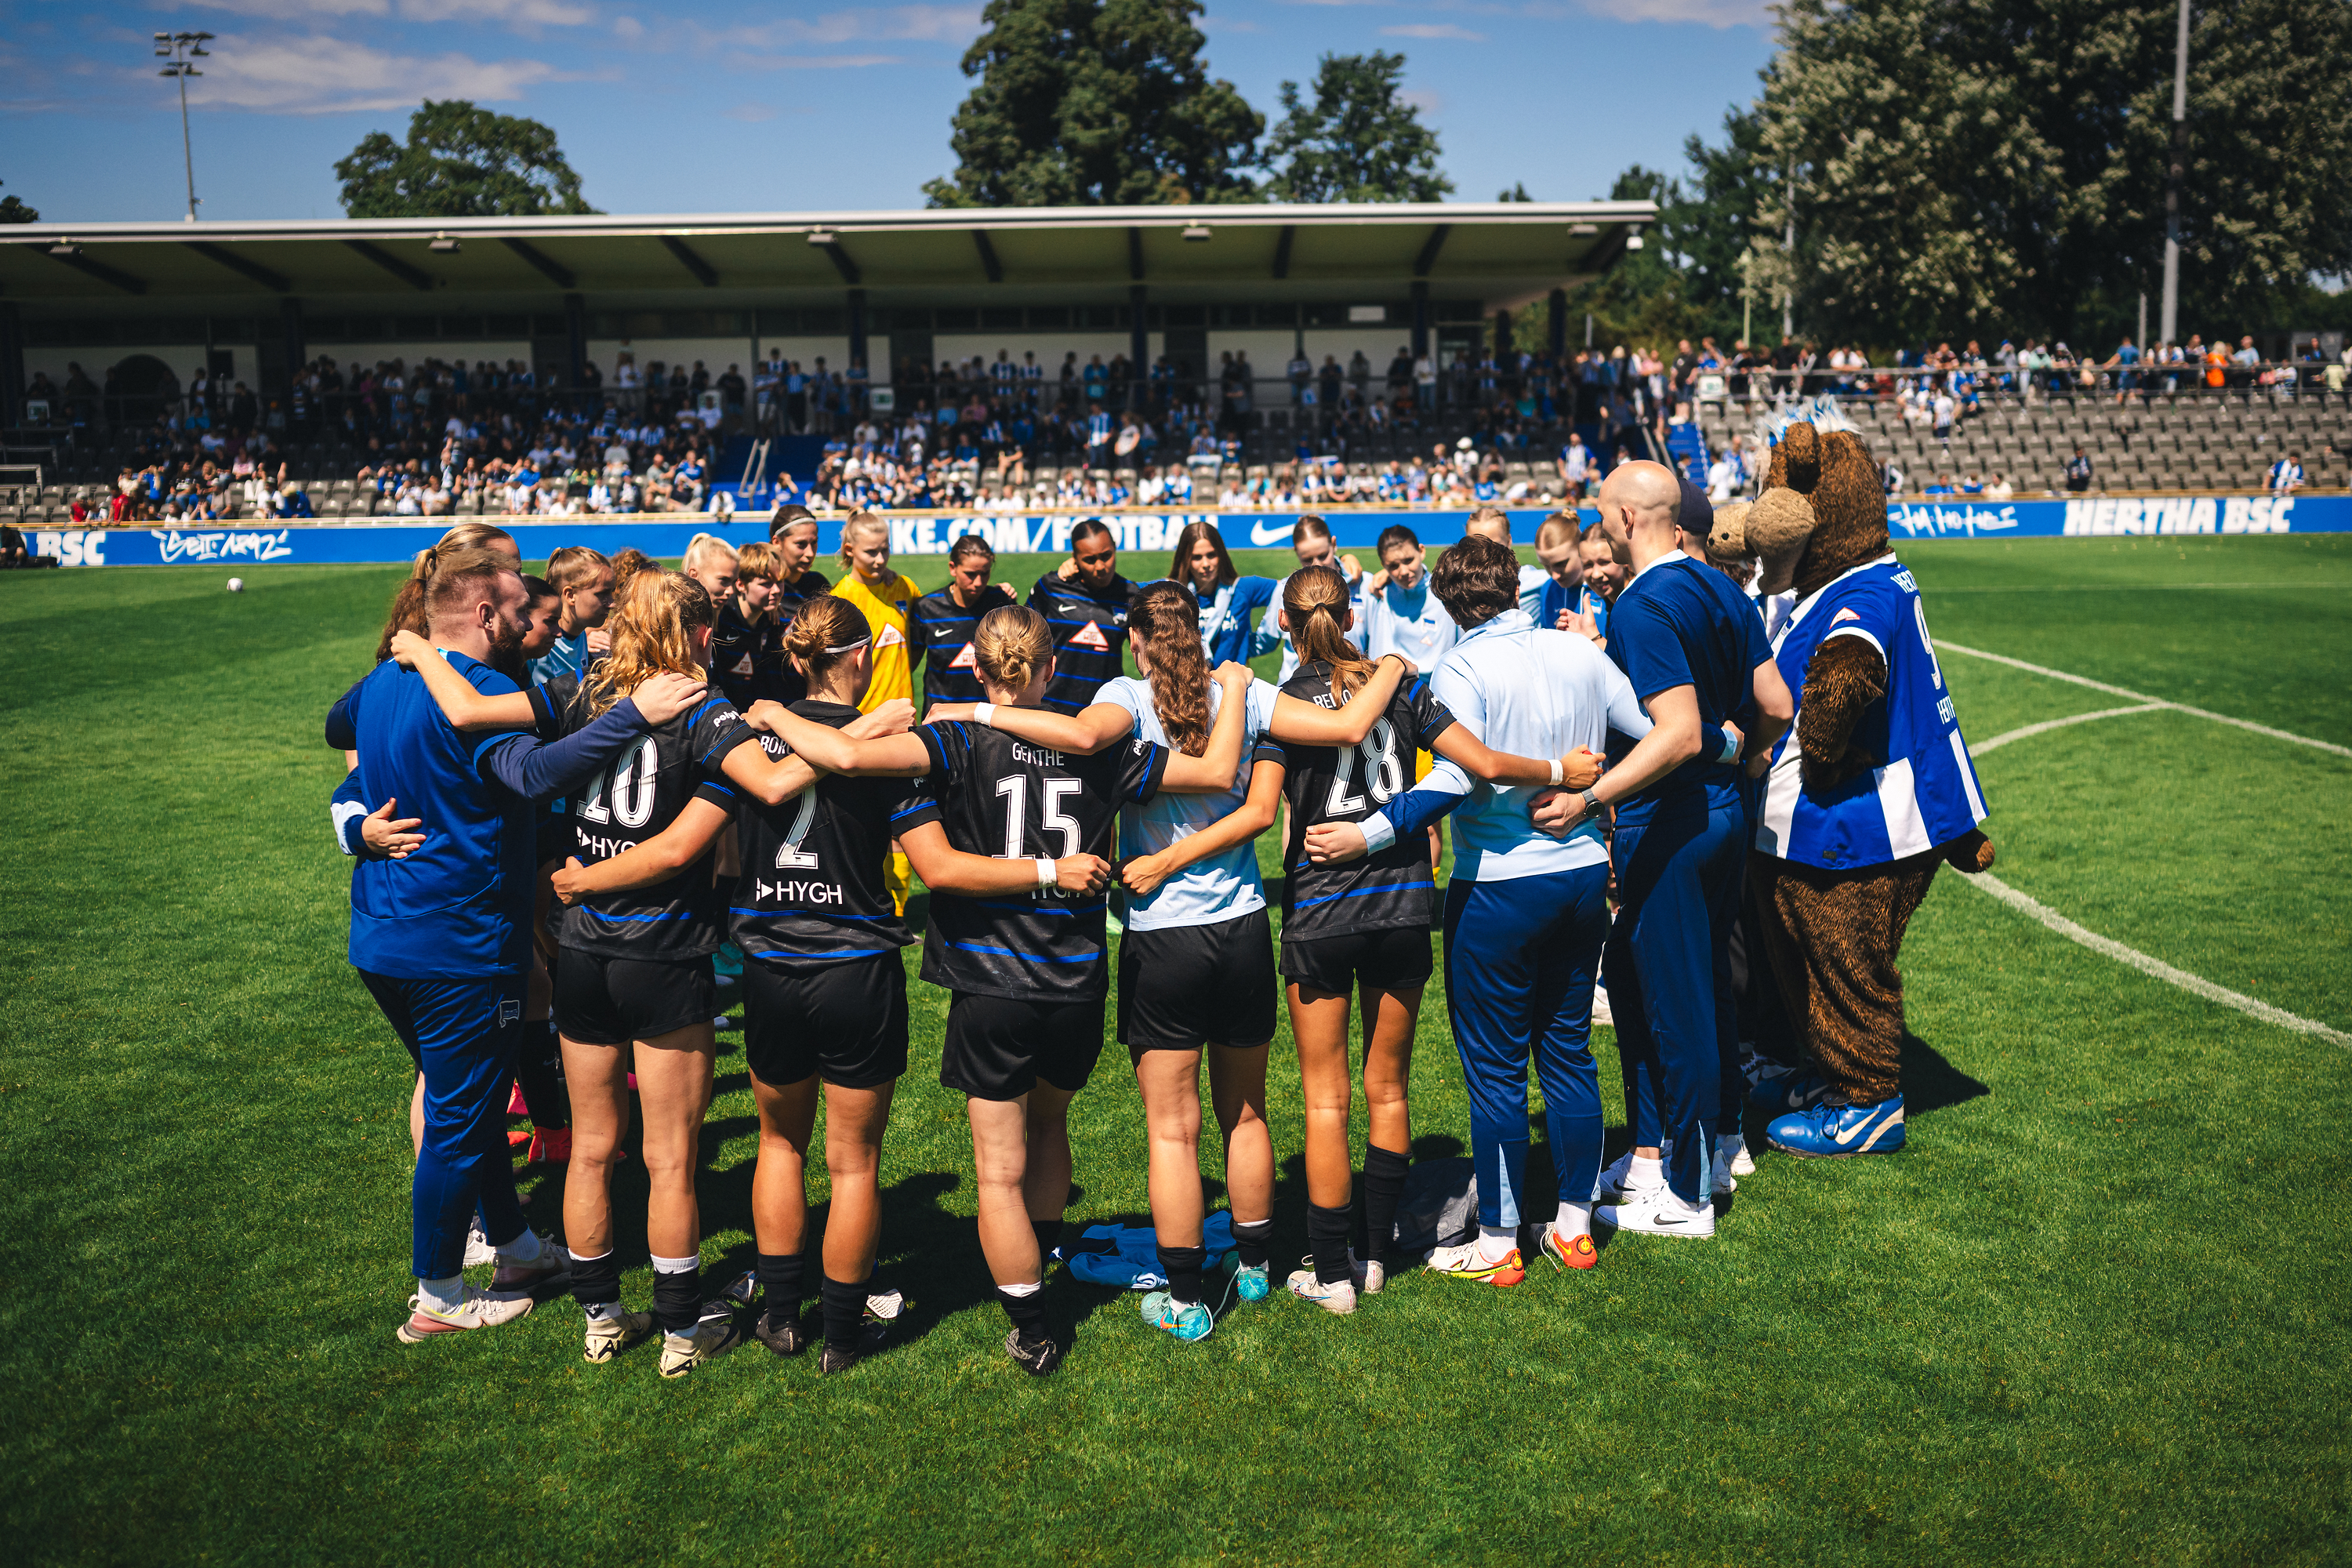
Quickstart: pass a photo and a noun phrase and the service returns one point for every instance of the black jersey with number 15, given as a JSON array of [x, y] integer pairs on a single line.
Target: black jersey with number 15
[[998, 796], [1334, 783], [635, 798], [812, 890]]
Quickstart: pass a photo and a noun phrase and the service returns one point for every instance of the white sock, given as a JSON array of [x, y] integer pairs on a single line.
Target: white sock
[[1647, 1171], [442, 1295], [1573, 1219], [677, 1265], [1031, 1289], [1497, 1242], [523, 1248]]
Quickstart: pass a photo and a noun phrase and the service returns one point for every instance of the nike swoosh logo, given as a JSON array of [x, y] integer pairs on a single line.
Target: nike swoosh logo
[[1866, 1124], [1262, 536]]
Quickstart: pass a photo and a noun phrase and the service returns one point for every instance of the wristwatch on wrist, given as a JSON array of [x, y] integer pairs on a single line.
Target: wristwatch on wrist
[[1592, 802]]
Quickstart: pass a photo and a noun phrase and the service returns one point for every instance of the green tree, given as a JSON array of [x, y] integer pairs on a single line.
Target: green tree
[[1358, 141], [13, 210], [1095, 102], [460, 162], [2000, 165]]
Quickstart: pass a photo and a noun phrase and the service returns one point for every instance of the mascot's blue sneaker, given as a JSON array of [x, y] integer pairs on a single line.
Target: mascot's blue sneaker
[[1836, 1132], [1784, 1091], [1187, 1320]]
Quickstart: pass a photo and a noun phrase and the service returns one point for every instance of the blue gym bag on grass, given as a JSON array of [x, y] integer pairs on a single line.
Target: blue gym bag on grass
[[1128, 1257]]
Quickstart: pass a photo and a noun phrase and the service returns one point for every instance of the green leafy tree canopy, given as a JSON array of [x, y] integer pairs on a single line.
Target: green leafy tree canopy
[[1095, 102], [13, 210], [1358, 141], [460, 162]]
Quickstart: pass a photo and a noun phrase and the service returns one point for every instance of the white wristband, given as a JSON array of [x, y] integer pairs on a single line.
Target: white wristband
[[985, 712], [1557, 776], [1730, 753], [1047, 872]]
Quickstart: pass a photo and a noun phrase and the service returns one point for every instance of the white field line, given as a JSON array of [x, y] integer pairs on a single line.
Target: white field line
[[2049, 724], [2142, 697], [1985, 881], [1989, 883]]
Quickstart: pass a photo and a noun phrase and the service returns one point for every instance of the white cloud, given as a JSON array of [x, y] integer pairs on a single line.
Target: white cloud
[[628, 30], [320, 74], [1421, 98], [813, 62], [1707, 13], [519, 14], [881, 23], [751, 113], [1433, 30]]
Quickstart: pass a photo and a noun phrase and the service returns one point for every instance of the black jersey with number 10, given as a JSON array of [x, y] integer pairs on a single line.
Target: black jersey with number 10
[[998, 796], [1348, 784], [634, 799], [812, 890]]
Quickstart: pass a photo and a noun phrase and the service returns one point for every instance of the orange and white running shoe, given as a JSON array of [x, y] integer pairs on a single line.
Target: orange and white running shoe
[[477, 1309], [1463, 1262], [1569, 1251]]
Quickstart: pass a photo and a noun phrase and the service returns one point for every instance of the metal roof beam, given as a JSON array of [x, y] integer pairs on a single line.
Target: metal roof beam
[[1428, 256], [1135, 253], [264, 276], [414, 277], [72, 257], [702, 270], [995, 269], [554, 270], [843, 262], [1282, 250]]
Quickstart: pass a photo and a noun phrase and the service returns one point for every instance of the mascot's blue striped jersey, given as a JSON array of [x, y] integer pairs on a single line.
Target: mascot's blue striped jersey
[[1925, 793]]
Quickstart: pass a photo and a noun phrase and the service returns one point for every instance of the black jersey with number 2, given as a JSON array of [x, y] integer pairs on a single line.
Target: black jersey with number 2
[[635, 798], [998, 796], [812, 890], [1337, 783]]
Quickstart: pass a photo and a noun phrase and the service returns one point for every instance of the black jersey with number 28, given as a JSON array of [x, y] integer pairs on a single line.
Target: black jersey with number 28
[[998, 796], [1337, 783], [635, 798], [812, 890]]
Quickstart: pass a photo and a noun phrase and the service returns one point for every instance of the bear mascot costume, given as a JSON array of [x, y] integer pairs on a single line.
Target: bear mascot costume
[[1871, 790]]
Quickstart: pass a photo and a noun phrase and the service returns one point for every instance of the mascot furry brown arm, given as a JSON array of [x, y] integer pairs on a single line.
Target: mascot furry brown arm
[[1872, 790]]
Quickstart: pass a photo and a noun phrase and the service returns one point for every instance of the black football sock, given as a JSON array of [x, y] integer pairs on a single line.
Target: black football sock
[[1049, 1237], [1026, 1310], [845, 1311], [1182, 1266], [1384, 1173], [779, 1283], [678, 1294], [1252, 1241], [1326, 1233], [596, 1283]]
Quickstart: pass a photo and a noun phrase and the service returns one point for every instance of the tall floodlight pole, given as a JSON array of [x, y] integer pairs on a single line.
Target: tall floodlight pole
[[183, 50], [2170, 323], [1789, 245]]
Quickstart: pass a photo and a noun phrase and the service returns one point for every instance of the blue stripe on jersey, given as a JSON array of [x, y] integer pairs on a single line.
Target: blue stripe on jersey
[[599, 915], [714, 784], [1361, 893], [828, 914], [838, 953], [918, 805], [1031, 957]]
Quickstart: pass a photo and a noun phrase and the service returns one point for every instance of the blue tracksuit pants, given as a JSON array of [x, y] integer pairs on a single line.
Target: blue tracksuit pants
[[463, 1036], [1678, 889], [1520, 959]]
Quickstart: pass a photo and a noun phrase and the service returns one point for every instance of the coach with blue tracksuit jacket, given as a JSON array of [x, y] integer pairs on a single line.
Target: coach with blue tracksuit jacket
[[1693, 646], [441, 931]]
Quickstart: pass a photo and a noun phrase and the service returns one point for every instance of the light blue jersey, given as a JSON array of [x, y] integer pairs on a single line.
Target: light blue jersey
[[1223, 887], [1409, 623], [1533, 693], [1270, 634]]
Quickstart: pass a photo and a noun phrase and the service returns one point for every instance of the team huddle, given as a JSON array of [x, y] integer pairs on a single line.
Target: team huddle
[[575, 802]]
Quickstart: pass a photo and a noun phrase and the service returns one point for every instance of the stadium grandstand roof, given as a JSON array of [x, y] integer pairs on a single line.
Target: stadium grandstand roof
[[1503, 253]]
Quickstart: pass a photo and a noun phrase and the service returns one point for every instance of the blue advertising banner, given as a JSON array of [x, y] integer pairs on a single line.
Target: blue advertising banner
[[931, 533]]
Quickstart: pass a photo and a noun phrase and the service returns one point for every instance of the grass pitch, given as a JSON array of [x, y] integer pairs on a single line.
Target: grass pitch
[[2096, 1311]]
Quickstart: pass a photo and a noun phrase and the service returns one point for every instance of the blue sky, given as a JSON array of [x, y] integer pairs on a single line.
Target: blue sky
[[721, 106]]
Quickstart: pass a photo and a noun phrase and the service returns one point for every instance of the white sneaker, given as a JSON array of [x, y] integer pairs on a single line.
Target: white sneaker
[[1339, 1297], [1617, 1184], [1600, 1013], [476, 1309], [1719, 1181], [1658, 1213], [1742, 1164], [479, 1253], [1371, 1276]]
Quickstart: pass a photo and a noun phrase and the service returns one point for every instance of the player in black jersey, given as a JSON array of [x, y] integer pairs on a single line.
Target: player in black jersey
[[794, 533], [747, 647], [826, 994], [1362, 927], [1012, 839], [949, 616], [1084, 603]]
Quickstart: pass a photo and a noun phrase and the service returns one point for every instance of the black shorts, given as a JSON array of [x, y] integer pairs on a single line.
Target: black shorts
[[1186, 986], [997, 1048], [1397, 958], [603, 1001], [846, 1020]]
